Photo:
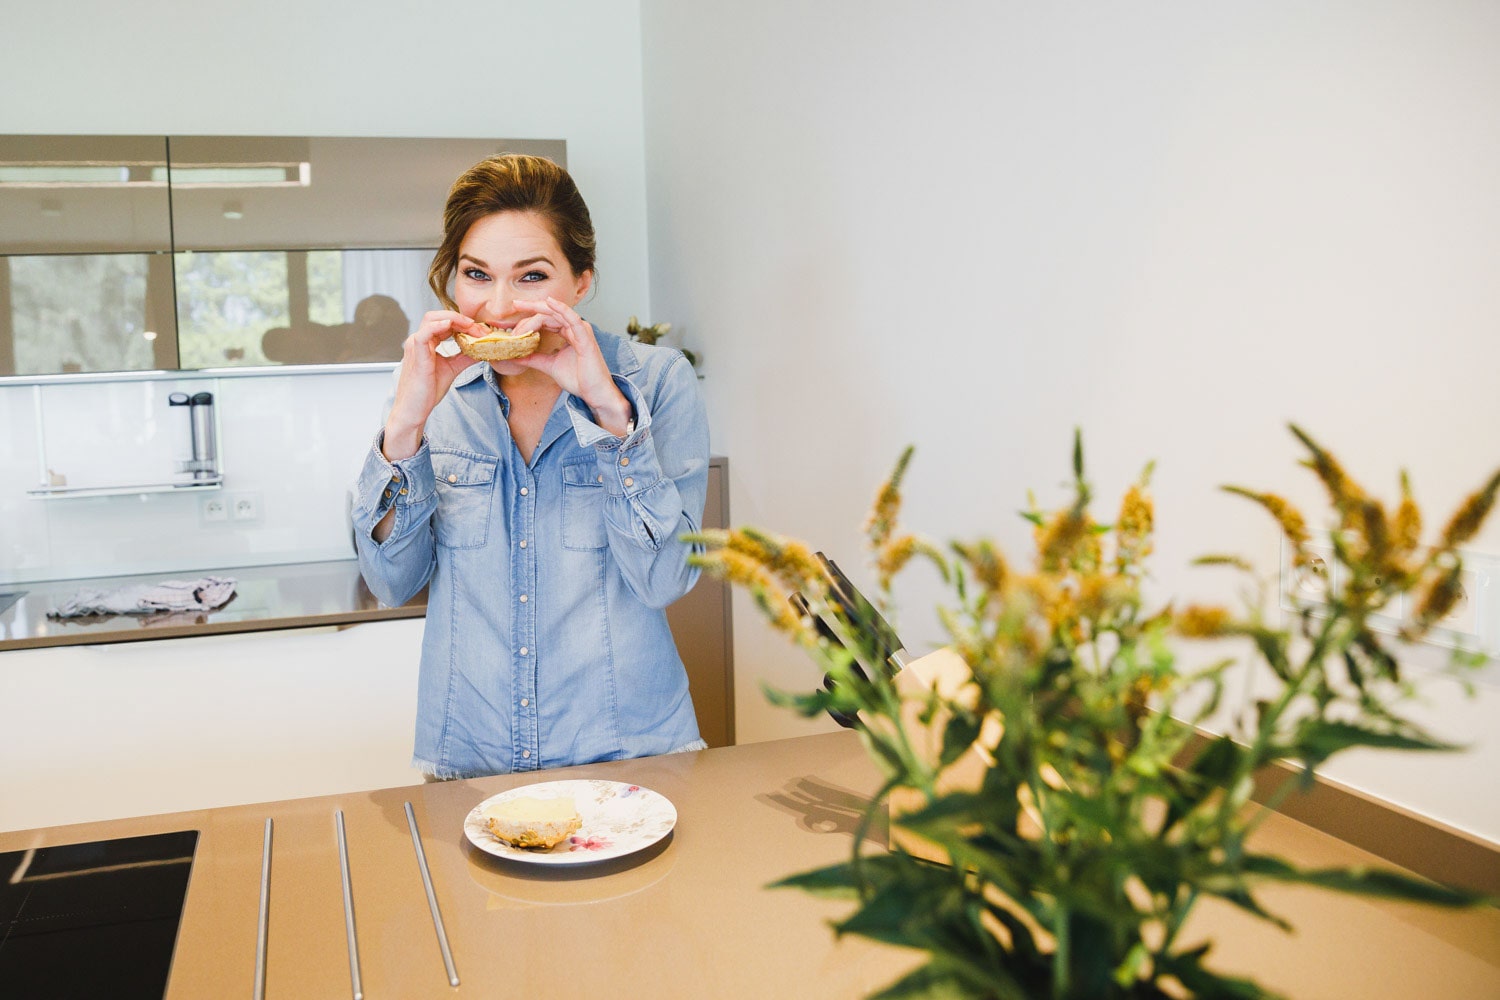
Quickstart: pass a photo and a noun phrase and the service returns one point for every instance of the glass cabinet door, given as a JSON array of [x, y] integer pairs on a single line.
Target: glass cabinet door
[[310, 250], [85, 265], [132, 253]]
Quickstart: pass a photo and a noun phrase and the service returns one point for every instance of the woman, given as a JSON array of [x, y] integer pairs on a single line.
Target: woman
[[541, 499]]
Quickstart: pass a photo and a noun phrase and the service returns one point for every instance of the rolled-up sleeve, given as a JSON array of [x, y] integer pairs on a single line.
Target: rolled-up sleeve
[[655, 479], [398, 568]]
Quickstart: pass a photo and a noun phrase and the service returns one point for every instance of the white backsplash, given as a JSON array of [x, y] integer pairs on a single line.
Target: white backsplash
[[290, 444]]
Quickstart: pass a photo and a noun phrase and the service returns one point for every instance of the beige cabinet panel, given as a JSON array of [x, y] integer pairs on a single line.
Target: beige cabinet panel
[[701, 625]]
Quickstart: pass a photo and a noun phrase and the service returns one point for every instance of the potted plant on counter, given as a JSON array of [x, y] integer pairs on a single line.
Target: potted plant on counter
[[1058, 812]]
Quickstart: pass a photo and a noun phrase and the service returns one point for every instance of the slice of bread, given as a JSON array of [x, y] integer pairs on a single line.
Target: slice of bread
[[533, 822], [489, 344]]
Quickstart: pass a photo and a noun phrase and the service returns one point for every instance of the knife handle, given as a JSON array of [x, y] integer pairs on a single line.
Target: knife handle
[[800, 605]]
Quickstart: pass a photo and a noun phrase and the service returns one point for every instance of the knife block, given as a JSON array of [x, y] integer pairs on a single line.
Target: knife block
[[947, 673]]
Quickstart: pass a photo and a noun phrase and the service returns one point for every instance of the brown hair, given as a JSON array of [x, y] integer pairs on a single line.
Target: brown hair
[[512, 182]]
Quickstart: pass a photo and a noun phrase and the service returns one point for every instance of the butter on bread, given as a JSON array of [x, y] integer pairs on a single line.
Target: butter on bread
[[526, 821], [486, 343]]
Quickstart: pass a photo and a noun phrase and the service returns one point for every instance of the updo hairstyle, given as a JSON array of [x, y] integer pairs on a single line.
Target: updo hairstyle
[[513, 182]]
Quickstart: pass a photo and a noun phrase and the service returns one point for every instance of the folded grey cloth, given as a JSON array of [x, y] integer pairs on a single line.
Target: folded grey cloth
[[203, 594]]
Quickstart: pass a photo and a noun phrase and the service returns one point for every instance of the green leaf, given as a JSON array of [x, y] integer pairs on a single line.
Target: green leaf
[[1359, 880], [1209, 771], [1319, 739], [1188, 967], [930, 982], [958, 736], [832, 882]]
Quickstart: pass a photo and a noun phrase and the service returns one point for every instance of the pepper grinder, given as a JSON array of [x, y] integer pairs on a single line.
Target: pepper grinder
[[205, 460]]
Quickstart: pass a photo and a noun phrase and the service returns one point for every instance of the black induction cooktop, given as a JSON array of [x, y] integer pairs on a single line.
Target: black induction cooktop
[[92, 920]]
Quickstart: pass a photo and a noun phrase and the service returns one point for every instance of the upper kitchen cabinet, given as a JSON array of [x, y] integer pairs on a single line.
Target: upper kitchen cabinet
[[270, 193], [131, 253], [86, 239], [80, 194]]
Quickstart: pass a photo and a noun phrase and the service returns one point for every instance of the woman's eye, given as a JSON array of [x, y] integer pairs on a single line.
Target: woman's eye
[[475, 274], [534, 276]]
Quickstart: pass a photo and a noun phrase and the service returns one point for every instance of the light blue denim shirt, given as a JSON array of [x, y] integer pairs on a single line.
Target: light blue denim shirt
[[546, 642]]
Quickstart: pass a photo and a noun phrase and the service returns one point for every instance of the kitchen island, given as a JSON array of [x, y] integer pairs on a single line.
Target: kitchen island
[[689, 917]]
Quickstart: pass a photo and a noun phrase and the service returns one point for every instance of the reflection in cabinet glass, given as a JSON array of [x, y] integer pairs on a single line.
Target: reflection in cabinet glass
[[138, 253]]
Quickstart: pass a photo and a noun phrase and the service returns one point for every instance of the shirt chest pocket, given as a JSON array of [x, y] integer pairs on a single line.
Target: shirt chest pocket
[[582, 506], [465, 488]]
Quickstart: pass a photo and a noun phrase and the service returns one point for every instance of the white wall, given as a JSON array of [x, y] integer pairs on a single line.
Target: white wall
[[568, 70], [291, 443], [974, 226]]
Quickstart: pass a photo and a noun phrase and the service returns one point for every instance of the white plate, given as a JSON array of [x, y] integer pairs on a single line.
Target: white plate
[[618, 819]]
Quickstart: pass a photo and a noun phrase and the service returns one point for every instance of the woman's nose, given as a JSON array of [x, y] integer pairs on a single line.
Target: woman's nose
[[500, 302]]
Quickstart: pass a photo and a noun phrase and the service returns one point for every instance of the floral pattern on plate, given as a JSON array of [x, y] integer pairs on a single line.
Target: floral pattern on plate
[[618, 819]]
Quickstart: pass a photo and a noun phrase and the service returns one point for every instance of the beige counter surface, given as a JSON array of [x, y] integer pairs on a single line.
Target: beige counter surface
[[688, 918], [291, 595]]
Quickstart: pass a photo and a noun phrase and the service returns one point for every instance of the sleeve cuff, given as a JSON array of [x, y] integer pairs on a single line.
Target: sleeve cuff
[[384, 484], [591, 435]]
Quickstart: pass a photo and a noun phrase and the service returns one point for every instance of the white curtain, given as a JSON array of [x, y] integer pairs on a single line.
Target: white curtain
[[401, 274]]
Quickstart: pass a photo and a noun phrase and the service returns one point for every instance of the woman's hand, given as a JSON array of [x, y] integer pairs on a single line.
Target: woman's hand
[[578, 367], [425, 378]]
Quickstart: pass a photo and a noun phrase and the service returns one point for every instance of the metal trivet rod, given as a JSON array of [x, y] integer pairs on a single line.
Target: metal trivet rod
[[354, 980], [265, 912], [432, 903]]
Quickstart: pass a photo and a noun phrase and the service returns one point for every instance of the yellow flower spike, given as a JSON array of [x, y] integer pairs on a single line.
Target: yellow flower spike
[[986, 564], [789, 559], [1133, 528], [1470, 515], [1439, 598], [893, 557], [1345, 492], [1198, 621], [1293, 524], [1375, 527], [1058, 538], [1406, 525], [882, 518]]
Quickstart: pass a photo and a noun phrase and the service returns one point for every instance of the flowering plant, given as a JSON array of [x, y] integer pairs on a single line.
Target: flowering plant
[[1099, 817], [653, 332]]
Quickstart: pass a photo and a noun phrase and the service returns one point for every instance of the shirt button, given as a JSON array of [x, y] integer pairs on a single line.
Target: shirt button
[[525, 702], [601, 479], [523, 543], [403, 491], [526, 753], [523, 491], [523, 653], [388, 494], [523, 598], [624, 460], [629, 481], [452, 478]]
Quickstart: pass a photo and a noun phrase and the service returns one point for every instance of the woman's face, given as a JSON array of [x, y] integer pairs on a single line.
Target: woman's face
[[511, 256]]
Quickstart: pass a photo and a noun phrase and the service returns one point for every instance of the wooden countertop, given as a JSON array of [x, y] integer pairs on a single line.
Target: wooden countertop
[[290, 595], [692, 917]]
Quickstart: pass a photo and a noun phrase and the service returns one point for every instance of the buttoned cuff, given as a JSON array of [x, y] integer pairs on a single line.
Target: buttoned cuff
[[402, 484], [591, 435], [628, 465]]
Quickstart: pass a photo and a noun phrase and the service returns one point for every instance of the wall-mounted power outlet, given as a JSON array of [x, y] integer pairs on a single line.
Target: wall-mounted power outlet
[[245, 506], [214, 509], [1308, 585], [1472, 624]]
